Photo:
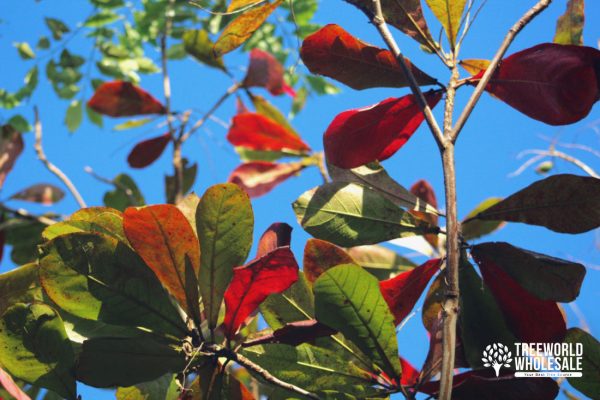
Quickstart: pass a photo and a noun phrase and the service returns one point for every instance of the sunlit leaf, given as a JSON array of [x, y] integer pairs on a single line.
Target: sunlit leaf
[[569, 27], [294, 304], [449, 13], [380, 261], [474, 66], [260, 177], [25, 50], [360, 136], [475, 228], [267, 109], [19, 285], [224, 222], [335, 53], [132, 123], [198, 44], [74, 115]]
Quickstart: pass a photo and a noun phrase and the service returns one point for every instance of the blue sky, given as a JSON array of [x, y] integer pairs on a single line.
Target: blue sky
[[486, 152]]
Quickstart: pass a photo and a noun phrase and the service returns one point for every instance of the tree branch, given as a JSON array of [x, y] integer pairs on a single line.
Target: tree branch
[[508, 39], [39, 150], [559, 154], [22, 213], [379, 21]]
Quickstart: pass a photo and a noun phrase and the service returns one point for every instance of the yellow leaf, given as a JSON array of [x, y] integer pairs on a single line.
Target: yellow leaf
[[474, 65], [449, 13], [237, 4]]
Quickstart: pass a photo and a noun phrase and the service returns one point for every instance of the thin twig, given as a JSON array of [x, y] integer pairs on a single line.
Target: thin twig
[[487, 76], [258, 370], [22, 213], [385, 33], [566, 157], [128, 192], [39, 150]]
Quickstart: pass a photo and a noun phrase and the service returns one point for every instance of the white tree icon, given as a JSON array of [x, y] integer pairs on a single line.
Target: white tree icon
[[496, 356]]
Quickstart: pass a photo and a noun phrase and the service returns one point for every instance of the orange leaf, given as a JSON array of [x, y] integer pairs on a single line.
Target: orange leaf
[[120, 99], [260, 177]]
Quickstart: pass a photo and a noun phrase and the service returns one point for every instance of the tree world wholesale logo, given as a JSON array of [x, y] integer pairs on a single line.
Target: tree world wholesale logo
[[536, 360]]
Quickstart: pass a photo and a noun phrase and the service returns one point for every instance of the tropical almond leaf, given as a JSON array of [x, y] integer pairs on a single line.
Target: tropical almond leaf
[[294, 304], [348, 214], [546, 277], [406, 16], [374, 176], [121, 99], [553, 83], [224, 222], [110, 362], [125, 194], [238, 4], [294, 333], [258, 178], [147, 151], [108, 281], [257, 132], [589, 383], [476, 228], [163, 388], [43, 193], [562, 203], [474, 66], [197, 43], [335, 53], [278, 234], [518, 305], [449, 13], [189, 178], [11, 147], [424, 191], [267, 109], [34, 347], [319, 256], [360, 136], [380, 261], [19, 285], [240, 29], [402, 292], [265, 71], [252, 283], [347, 298], [132, 123], [569, 27], [483, 384], [164, 238], [11, 387]]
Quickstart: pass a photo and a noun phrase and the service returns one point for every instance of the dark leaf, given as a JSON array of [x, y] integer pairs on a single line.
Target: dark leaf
[[126, 194], [423, 190], [294, 333], [19, 285], [545, 277], [553, 83], [279, 234], [57, 27], [360, 136], [189, 178], [320, 255], [563, 203], [589, 383], [258, 178], [335, 53], [147, 151], [120, 99], [43, 193], [11, 146], [294, 304], [163, 388], [402, 292]]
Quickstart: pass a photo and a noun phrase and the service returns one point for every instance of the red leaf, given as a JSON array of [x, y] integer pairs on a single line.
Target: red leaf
[[357, 137], [240, 107], [423, 190], [553, 83], [402, 292], [11, 146], [260, 177], [335, 53], [257, 132], [120, 99], [265, 71], [254, 282], [409, 373], [279, 234], [146, 152], [483, 385], [295, 333], [11, 387], [530, 319]]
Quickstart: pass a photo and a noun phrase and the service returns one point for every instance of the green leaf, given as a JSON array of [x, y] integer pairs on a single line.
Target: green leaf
[[267, 109], [348, 214], [24, 236], [20, 123], [96, 277], [546, 277], [34, 347], [562, 203], [25, 50], [20, 285], [449, 13], [74, 115], [569, 27], [481, 320], [189, 177], [380, 261], [347, 298], [240, 29], [163, 388], [126, 194], [374, 176], [312, 368], [197, 43], [104, 17], [474, 228], [176, 52], [295, 304], [94, 117], [224, 222], [105, 223], [132, 123], [57, 27], [43, 43], [109, 362], [589, 383]]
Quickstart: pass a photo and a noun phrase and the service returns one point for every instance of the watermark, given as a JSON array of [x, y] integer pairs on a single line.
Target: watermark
[[536, 360]]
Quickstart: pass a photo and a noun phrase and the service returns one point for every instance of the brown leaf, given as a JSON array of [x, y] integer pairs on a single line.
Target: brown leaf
[[11, 146], [43, 193], [423, 190], [294, 333], [258, 178], [320, 255]]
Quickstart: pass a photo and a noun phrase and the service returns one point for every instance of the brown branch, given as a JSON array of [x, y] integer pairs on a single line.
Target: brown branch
[[24, 214], [39, 150], [558, 154], [508, 39], [128, 192], [379, 21]]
